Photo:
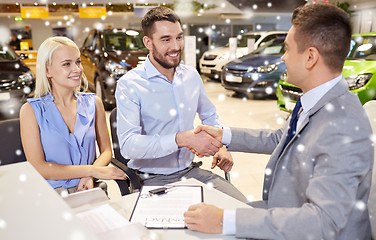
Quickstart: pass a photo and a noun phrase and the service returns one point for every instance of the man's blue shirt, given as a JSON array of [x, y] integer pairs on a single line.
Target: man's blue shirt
[[151, 110]]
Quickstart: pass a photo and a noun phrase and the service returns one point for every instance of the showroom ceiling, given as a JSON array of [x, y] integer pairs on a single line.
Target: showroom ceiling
[[269, 5]]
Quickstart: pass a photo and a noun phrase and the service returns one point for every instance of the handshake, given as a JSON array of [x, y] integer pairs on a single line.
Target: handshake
[[205, 141]]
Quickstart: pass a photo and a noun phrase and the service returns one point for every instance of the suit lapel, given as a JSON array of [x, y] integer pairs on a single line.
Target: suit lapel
[[339, 89]]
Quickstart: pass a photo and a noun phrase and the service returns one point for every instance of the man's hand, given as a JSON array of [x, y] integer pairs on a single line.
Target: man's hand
[[216, 133], [223, 160], [204, 218], [201, 143]]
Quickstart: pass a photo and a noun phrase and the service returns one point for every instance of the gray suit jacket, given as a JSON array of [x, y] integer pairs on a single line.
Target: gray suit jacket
[[318, 186]]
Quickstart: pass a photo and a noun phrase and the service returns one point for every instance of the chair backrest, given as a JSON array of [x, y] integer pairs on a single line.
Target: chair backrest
[[114, 137], [370, 108], [133, 183], [11, 150]]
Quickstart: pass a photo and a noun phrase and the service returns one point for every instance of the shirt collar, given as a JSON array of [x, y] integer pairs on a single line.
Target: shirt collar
[[151, 71], [310, 98]]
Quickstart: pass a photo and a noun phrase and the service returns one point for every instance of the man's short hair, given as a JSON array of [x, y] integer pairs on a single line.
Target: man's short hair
[[157, 14], [325, 27]]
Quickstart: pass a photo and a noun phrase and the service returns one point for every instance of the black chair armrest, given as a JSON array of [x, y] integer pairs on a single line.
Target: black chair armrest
[[135, 180]]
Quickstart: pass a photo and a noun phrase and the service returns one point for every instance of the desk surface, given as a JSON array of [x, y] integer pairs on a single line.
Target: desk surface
[[31, 209], [125, 206]]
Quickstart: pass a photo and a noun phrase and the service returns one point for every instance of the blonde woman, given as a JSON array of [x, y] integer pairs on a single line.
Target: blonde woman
[[60, 125]]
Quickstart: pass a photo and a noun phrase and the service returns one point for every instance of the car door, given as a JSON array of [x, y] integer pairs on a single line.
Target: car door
[[88, 58]]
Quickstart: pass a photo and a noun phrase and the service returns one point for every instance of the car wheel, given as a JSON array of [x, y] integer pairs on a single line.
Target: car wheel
[[99, 93]]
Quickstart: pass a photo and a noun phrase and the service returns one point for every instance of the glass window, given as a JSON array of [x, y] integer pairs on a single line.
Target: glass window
[[6, 53]]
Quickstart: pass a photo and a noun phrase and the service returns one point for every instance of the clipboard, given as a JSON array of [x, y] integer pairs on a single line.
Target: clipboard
[[165, 210]]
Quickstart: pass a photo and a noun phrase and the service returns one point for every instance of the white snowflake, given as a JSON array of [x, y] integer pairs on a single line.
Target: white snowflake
[[221, 97], [110, 81], [3, 224], [300, 147], [235, 174], [18, 152], [22, 177], [373, 138], [210, 185], [77, 235], [183, 179], [268, 171], [67, 216], [64, 193], [153, 236], [329, 107], [250, 198], [360, 205], [173, 112], [255, 77], [268, 90], [26, 90], [280, 121]]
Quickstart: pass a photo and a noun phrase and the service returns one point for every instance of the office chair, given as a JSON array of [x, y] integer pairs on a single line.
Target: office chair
[[370, 108], [11, 150], [133, 181], [120, 161]]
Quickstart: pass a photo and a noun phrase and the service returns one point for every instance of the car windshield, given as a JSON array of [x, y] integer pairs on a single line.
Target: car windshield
[[6, 53], [123, 41], [363, 47], [273, 47], [243, 41]]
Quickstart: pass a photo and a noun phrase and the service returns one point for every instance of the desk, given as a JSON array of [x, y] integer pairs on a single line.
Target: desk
[[124, 205], [31, 209]]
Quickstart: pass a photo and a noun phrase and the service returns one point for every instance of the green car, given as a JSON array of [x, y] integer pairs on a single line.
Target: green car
[[359, 71]]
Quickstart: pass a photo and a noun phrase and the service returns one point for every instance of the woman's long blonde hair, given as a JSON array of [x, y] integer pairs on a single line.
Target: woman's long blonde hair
[[46, 49]]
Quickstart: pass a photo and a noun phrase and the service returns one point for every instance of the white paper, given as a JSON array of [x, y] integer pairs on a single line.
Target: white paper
[[102, 219], [165, 210]]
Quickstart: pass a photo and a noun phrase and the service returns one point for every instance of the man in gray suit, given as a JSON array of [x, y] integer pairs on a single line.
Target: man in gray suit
[[317, 184]]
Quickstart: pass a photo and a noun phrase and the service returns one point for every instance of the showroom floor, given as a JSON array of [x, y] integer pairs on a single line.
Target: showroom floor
[[248, 170]]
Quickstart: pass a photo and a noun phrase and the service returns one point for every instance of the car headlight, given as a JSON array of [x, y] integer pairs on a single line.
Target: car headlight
[[284, 76], [266, 68], [224, 57], [27, 77], [358, 81], [115, 68]]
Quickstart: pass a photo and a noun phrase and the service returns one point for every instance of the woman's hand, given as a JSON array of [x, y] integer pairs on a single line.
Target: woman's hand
[[109, 173], [85, 184]]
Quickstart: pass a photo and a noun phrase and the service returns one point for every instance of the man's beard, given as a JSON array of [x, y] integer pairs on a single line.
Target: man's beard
[[159, 59]]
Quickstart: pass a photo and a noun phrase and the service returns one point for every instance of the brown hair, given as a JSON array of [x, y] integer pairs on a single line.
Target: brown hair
[[325, 27], [157, 14]]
